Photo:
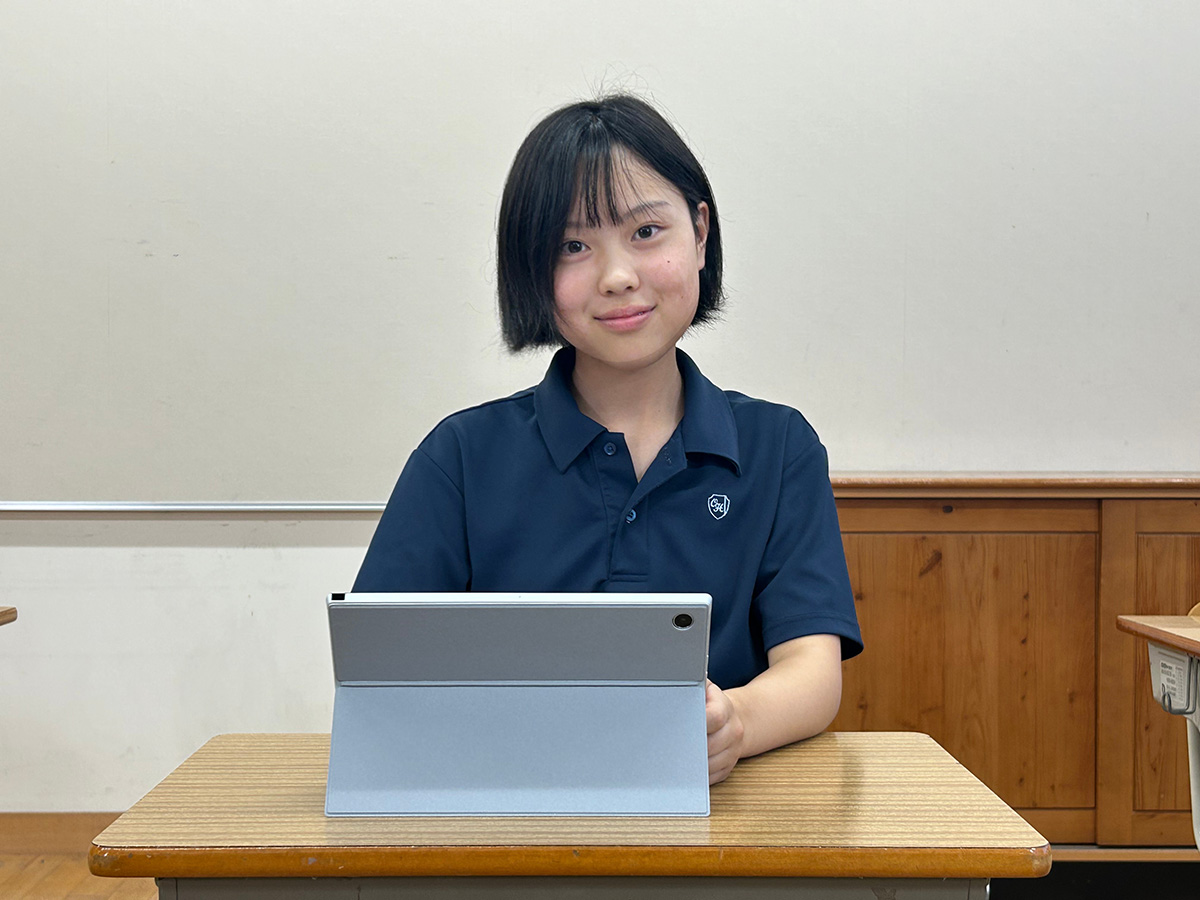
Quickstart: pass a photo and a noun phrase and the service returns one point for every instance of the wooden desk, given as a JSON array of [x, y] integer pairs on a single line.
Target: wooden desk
[[7, 614], [830, 811], [1178, 632]]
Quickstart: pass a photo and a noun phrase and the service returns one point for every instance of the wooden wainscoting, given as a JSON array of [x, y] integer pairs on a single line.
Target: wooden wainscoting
[[1150, 566], [979, 616], [988, 606]]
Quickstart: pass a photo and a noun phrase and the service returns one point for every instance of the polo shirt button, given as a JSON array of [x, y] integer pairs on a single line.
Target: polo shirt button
[[610, 448], [630, 516]]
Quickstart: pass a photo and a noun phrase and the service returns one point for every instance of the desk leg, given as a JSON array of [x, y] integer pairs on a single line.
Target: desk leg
[[1194, 776], [517, 888]]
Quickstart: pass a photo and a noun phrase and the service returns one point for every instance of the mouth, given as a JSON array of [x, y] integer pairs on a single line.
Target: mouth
[[625, 317]]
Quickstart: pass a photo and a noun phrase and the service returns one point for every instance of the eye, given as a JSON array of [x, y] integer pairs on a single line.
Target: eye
[[570, 248], [646, 232]]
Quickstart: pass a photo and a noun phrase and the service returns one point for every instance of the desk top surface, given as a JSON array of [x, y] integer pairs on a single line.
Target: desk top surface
[[7, 614], [1180, 632], [841, 804]]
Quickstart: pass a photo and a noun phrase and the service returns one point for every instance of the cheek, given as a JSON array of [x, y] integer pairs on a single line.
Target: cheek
[[568, 293], [676, 275]]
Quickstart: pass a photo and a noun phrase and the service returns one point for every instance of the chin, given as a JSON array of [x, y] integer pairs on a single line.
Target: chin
[[633, 360]]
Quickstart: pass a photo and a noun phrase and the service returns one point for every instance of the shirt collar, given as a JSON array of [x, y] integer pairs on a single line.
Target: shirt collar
[[708, 425], [564, 428]]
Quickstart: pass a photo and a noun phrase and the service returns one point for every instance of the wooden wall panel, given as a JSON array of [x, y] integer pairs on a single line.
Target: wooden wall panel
[[990, 621], [1062, 630], [1116, 659], [1150, 565], [985, 641], [1168, 580], [972, 515]]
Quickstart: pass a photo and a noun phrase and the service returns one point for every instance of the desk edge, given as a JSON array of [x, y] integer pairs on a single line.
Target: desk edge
[[1139, 627], [678, 861]]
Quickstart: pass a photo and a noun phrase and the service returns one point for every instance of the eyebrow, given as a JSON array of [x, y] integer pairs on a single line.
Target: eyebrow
[[632, 213]]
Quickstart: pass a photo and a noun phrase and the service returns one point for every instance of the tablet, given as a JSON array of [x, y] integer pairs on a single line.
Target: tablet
[[518, 704]]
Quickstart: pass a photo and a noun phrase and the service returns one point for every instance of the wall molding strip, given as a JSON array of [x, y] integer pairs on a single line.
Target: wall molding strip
[[110, 507], [846, 485]]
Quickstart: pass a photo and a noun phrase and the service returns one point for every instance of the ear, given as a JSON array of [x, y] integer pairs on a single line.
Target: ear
[[700, 226]]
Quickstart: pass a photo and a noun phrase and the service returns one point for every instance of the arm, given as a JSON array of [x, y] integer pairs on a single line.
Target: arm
[[804, 598], [796, 697], [420, 543]]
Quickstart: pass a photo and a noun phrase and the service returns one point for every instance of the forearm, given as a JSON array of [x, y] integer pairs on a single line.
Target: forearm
[[796, 697]]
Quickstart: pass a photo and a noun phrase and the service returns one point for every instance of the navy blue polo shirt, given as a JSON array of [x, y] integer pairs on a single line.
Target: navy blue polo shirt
[[529, 494]]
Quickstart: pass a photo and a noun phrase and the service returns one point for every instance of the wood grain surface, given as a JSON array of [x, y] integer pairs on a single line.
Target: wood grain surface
[[1161, 780], [51, 834], [62, 876], [7, 614], [976, 516], [1046, 485], [994, 636], [871, 805], [1115, 665], [1168, 579], [1150, 566]]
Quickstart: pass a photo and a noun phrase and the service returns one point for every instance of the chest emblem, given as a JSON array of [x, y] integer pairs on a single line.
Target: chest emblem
[[718, 505]]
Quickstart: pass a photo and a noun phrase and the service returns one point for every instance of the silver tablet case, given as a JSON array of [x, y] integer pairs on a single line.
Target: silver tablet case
[[518, 704]]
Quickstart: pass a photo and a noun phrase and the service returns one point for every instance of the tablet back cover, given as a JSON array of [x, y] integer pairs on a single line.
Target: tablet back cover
[[476, 704]]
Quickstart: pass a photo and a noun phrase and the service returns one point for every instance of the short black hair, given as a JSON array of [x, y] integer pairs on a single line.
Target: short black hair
[[574, 148]]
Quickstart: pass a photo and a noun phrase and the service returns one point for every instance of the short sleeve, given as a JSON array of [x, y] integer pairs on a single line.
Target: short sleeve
[[803, 586], [420, 543]]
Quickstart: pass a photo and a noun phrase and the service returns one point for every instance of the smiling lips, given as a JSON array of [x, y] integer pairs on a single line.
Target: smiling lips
[[626, 318]]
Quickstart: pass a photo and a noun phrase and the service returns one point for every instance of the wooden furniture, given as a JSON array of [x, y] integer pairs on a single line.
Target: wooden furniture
[[1179, 632], [7, 614], [988, 606], [893, 809], [1176, 672], [1152, 549]]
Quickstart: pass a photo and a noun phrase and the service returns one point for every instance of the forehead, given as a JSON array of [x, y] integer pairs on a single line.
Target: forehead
[[607, 193]]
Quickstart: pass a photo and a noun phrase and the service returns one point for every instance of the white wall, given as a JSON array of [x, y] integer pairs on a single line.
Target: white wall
[[246, 248], [140, 637], [246, 253]]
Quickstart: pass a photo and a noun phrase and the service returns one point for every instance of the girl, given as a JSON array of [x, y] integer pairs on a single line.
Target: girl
[[625, 469]]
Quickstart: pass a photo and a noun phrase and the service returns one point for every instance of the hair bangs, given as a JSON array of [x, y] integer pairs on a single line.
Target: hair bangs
[[604, 184]]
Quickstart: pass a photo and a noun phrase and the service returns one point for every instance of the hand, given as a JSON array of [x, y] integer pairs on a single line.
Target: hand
[[725, 732]]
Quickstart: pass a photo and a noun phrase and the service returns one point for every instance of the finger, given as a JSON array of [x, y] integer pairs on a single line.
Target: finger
[[716, 708], [722, 738], [716, 777], [720, 766], [716, 714]]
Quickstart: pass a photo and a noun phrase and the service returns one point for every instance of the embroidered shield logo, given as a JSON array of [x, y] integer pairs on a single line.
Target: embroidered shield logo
[[718, 505]]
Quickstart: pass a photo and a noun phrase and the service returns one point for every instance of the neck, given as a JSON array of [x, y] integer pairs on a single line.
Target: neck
[[647, 398]]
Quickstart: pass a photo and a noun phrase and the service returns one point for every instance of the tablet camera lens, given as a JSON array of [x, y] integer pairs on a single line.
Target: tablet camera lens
[[681, 621]]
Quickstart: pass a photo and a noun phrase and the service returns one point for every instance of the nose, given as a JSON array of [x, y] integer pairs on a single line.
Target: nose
[[617, 274]]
